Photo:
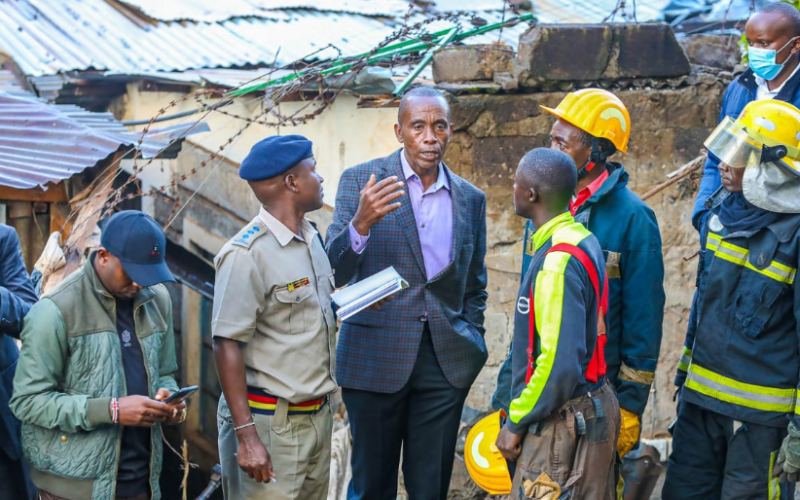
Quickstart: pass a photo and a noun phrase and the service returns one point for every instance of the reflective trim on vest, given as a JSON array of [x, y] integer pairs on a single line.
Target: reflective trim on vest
[[548, 298], [740, 256], [732, 391], [774, 485], [686, 360]]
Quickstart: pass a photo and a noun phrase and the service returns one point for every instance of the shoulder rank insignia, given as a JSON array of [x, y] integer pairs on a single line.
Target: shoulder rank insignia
[[249, 234]]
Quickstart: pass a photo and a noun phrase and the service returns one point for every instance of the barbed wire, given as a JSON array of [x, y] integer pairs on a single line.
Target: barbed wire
[[308, 75]]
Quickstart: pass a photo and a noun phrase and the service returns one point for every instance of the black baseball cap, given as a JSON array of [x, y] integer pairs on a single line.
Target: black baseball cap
[[139, 243]]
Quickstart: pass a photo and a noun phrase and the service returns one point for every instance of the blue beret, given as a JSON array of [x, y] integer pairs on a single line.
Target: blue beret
[[274, 156]]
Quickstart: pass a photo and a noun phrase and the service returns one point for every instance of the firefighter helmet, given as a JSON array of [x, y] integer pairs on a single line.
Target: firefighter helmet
[[766, 131], [485, 464], [597, 112]]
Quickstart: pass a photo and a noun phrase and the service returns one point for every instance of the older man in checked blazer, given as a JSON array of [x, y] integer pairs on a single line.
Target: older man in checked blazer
[[406, 368]]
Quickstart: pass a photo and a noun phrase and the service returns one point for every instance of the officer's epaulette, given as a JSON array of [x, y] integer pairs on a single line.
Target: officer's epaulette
[[249, 234]]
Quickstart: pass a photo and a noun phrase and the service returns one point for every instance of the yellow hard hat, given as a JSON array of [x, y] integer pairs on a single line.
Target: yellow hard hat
[[766, 131], [597, 112], [485, 464]]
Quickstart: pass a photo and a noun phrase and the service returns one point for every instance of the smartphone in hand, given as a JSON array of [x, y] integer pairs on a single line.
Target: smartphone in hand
[[181, 395]]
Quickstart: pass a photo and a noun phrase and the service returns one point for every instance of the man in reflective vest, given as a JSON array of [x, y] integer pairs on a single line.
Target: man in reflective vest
[[561, 404], [591, 126], [738, 376]]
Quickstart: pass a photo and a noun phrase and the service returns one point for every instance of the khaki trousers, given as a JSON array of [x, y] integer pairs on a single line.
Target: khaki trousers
[[577, 447], [300, 448]]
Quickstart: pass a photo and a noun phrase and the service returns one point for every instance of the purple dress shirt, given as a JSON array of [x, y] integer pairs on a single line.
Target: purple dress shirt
[[433, 211]]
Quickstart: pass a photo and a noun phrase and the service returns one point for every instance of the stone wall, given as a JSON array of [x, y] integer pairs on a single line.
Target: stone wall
[[668, 129]]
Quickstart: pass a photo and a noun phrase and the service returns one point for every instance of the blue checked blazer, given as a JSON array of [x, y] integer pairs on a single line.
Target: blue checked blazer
[[377, 349]]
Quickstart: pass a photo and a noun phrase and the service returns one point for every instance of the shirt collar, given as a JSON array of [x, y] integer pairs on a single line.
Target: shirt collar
[[282, 233], [589, 191], [763, 83], [441, 182], [544, 233]]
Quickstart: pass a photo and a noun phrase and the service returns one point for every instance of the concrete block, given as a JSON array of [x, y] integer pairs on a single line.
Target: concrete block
[[558, 52], [647, 50], [471, 63], [506, 80], [711, 50]]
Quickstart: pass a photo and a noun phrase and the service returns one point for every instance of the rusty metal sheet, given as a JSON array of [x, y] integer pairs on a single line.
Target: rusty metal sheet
[[215, 11], [41, 143]]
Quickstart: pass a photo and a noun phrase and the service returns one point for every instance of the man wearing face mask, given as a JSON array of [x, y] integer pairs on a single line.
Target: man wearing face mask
[[739, 380], [773, 38]]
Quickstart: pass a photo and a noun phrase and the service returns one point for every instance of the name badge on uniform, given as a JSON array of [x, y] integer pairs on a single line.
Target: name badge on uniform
[[530, 249], [294, 285]]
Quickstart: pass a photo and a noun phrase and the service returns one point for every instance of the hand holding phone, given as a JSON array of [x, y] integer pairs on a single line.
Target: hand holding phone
[[181, 395]]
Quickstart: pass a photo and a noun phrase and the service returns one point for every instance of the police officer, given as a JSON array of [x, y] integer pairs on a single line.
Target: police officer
[[273, 331]]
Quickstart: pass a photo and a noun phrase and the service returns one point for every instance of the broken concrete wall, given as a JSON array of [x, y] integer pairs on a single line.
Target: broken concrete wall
[[716, 51], [598, 53]]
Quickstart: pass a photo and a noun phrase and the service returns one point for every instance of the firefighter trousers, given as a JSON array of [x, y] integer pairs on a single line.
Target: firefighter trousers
[[715, 457]]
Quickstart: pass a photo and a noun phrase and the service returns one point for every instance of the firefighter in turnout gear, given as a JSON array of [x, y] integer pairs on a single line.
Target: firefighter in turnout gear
[[738, 430]]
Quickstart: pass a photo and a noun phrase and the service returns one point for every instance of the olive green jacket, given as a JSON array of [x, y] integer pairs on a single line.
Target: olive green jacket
[[70, 367]]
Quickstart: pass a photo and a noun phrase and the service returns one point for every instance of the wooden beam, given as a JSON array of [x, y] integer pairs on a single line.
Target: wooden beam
[[56, 194], [378, 101], [59, 215]]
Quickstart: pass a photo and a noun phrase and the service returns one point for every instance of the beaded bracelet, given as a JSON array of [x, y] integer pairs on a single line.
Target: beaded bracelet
[[114, 410]]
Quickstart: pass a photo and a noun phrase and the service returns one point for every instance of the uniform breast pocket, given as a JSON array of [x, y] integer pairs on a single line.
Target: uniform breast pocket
[[297, 301], [753, 307]]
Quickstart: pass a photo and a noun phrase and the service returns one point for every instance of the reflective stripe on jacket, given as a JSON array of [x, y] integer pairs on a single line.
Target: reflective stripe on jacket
[[628, 232], [566, 323], [741, 356]]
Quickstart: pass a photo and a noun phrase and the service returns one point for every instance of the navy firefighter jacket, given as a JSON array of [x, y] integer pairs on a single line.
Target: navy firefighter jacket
[[741, 356]]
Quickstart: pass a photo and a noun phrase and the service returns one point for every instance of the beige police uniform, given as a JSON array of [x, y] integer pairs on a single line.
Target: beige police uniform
[[272, 293]]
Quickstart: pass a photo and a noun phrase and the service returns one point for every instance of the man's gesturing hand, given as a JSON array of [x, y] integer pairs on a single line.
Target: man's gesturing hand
[[375, 202], [253, 456], [141, 411]]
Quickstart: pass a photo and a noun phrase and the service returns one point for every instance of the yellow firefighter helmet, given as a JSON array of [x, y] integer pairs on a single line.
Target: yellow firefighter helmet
[[766, 131], [485, 464], [597, 112]]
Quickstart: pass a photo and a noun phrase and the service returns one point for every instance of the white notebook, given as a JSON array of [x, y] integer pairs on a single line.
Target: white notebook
[[368, 291]]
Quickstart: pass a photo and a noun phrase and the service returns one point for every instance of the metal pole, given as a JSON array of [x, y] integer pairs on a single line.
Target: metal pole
[[425, 61]]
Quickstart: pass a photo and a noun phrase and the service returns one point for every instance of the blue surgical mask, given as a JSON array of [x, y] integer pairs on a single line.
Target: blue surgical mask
[[763, 61]]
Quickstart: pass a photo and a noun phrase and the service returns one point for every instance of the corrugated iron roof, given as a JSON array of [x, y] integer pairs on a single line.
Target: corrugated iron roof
[[48, 37], [215, 10], [229, 78], [41, 143], [597, 11], [566, 11]]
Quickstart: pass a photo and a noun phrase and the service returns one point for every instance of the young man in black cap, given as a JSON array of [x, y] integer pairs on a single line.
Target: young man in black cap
[[274, 334], [97, 354]]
